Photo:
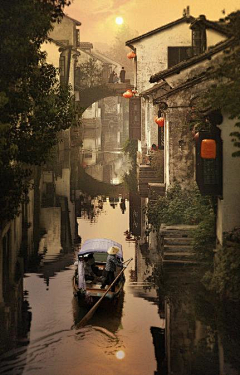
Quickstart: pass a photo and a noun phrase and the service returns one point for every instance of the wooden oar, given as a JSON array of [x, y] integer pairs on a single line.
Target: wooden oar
[[90, 313]]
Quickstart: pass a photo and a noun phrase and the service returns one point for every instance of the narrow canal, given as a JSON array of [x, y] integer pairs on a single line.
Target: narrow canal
[[118, 338], [163, 323]]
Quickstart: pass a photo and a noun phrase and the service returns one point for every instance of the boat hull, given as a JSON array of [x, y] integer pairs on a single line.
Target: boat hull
[[94, 291]]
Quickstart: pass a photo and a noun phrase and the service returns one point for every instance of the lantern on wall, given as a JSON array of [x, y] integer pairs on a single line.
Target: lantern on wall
[[208, 149], [160, 121], [131, 55], [128, 94]]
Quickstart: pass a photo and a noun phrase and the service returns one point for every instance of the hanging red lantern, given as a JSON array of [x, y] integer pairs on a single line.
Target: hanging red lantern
[[131, 55], [159, 121], [208, 149], [128, 94]]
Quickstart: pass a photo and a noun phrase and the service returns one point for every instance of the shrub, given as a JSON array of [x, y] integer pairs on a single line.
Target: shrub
[[179, 207], [225, 280]]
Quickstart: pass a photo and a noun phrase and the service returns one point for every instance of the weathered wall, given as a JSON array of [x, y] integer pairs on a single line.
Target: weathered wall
[[180, 147], [64, 32], [229, 207], [152, 57], [152, 51]]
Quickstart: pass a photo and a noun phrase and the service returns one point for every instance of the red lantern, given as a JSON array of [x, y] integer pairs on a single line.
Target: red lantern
[[128, 94], [208, 149], [131, 55], [159, 121]]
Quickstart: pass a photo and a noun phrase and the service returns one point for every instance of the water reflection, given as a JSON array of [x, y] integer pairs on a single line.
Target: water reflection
[[108, 315], [195, 330]]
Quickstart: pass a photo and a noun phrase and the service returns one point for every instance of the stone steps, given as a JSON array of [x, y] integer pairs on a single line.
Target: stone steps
[[177, 263], [183, 256], [177, 244], [177, 248], [176, 233], [178, 241]]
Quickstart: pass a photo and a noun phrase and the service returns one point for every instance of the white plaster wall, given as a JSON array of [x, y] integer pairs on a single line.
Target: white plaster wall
[[63, 188], [229, 207], [166, 155], [89, 144], [152, 53], [72, 73], [65, 30], [51, 222], [92, 112], [213, 37]]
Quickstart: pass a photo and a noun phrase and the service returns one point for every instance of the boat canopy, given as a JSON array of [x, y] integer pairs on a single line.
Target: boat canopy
[[99, 245]]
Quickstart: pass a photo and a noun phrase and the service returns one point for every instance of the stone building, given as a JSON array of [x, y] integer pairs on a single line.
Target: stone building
[[161, 49], [189, 80]]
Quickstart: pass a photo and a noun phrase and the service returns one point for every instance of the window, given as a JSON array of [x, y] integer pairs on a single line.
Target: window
[[77, 37], [178, 54], [88, 155]]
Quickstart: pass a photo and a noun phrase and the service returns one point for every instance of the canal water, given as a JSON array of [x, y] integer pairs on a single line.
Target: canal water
[[165, 322], [117, 340]]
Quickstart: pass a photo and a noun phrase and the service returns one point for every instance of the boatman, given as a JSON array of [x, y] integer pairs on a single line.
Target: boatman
[[110, 268]]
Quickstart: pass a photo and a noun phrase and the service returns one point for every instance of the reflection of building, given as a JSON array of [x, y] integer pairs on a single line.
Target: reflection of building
[[193, 344]]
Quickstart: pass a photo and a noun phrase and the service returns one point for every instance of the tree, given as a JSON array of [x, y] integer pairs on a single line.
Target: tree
[[33, 105], [90, 74], [119, 51], [225, 92]]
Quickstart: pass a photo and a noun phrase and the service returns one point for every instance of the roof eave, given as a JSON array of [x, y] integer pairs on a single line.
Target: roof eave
[[187, 63]]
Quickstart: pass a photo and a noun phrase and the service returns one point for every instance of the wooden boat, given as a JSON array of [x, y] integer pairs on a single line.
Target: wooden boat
[[90, 289]]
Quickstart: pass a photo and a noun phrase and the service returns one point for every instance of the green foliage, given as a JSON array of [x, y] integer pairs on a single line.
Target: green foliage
[[225, 280], [224, 93], [90, 74], [204, 237], [33, 105], [131, 147], [178, 207]]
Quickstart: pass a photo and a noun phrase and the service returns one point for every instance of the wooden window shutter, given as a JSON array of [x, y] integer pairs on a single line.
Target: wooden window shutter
[[135, 118]]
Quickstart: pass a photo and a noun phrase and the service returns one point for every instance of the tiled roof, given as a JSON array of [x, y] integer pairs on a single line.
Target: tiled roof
[[78, 23], [211, 25], [86, 45], [161, 85], [195, 59]]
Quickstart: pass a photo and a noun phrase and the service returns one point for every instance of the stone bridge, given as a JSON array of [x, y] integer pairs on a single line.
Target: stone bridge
[[90, 95]]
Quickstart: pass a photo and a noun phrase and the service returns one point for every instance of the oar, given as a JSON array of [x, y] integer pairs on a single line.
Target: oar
[[94, 308]]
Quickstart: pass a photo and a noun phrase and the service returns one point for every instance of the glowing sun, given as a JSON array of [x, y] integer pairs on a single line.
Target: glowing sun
[[119, 20], [120, 354]]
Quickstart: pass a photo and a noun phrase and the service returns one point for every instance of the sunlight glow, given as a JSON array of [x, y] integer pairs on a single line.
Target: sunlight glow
[[120, 354], [119, 20]]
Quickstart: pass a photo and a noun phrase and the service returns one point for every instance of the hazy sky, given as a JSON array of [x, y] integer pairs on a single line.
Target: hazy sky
[[98, 16]]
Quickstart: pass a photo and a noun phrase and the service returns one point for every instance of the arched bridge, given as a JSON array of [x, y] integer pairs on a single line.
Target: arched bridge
[[90, 95]]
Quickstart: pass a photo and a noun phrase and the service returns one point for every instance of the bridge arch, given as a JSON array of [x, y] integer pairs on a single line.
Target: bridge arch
[[90, 95]]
